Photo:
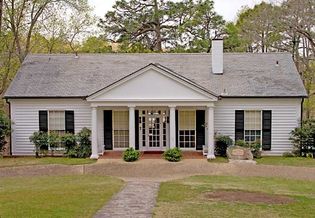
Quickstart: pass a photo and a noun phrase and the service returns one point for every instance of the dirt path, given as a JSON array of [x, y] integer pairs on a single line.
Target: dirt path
[[137, 199], [161, 170]]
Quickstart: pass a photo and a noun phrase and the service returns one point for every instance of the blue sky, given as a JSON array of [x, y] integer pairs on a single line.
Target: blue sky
[[227, 8]]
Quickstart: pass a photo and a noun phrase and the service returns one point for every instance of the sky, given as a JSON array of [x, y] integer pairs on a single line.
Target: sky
[[227, 8]]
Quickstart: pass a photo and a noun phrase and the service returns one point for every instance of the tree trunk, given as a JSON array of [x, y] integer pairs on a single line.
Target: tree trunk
[[1, 14], [158, 26]]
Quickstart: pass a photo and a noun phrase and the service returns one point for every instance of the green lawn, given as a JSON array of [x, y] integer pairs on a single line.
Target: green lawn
[[288, 161], [25, 161], [186, 198], [55, 196]]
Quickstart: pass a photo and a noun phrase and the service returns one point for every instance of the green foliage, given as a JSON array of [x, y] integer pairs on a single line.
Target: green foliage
[[4, 130], [83, 147], [222, 143], [303, 139], [241, 143], [131, 155], [95, 45], [68, 141], [173, 155], [76, 146], [142, 26], [41, 141], [255, 148]]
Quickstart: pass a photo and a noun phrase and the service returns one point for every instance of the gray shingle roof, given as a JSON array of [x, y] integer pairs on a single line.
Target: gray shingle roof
[[245, 74]]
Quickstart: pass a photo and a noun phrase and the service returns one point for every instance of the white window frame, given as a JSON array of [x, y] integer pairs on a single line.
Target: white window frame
[[261, 121], [48, 125], [126, 136], [179, 129]]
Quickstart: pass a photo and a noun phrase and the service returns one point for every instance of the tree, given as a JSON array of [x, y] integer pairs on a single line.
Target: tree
[[22, 16], [233, 42], [163, 24], [95, 45], [258, 27]]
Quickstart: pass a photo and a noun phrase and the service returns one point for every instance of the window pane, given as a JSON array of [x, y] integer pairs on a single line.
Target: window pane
[[57, 121], [121, 129]]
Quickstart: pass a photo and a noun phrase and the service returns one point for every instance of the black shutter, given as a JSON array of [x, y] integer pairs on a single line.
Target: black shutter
[[108, 142], [137, 129], [239, 125], [176, 124], [43, 121], [266, 130], [200, 127], [69, 118]]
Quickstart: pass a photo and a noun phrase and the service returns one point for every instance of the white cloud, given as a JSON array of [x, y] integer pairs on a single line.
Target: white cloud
[[227, 8]]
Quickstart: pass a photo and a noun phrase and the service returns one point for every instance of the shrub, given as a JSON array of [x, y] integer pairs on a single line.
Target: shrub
[[41, 141], [303, 139], [256, 149], [4, 130], [131, 155], [288, 154], [222, 143], [241, 143], [83, 147], [68, 141], [173, 155]]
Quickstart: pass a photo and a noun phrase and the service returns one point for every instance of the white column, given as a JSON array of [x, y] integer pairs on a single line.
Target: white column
[[132, 129], [172, 127], [210, 132], [94, 134]]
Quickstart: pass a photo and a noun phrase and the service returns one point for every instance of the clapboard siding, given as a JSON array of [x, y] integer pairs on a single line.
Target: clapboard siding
[[285, 117], [24, 114]]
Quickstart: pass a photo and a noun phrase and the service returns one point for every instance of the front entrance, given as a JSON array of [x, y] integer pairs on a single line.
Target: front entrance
[[153, 130]]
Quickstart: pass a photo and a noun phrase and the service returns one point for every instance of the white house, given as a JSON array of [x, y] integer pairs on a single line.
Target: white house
[[157, 101]]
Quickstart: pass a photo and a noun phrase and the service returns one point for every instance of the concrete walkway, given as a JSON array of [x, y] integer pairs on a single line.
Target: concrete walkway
[[137, 199]]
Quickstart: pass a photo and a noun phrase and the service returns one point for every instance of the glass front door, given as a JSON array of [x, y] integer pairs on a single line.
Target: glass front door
[[153, 129]]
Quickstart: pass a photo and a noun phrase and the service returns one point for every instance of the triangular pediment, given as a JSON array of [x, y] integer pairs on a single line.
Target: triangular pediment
[[153, 83]]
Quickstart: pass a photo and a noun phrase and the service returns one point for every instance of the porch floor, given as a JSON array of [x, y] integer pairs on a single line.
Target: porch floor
[[152, 155]]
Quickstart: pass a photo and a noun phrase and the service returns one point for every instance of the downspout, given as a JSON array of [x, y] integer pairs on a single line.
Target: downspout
[[10, 147], [302, 103]]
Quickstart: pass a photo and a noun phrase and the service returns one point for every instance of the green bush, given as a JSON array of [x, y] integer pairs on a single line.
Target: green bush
[[41, 142], [222, 143], [68, 141], [256, 149], [303, 139], [4, 130], [131, 155], [173, 155], [76, 146], [241, 143], [83, 147]]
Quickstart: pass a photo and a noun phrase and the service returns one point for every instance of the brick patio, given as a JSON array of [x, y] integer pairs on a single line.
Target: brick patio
[[151, 155]]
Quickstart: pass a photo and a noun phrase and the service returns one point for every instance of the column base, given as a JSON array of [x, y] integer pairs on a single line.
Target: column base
[[94, 156], [210, 156]]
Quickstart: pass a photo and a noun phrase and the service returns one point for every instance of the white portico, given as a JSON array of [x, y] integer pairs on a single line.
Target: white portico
[[151, 110]]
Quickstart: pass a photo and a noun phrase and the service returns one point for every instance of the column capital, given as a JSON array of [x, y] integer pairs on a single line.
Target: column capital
[[132, 106], [210, 106], [172, 106]]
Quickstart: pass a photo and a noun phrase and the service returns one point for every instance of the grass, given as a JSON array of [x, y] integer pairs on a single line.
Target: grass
[[287, 161], [185, 198], [55, 196], [26, 161]]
